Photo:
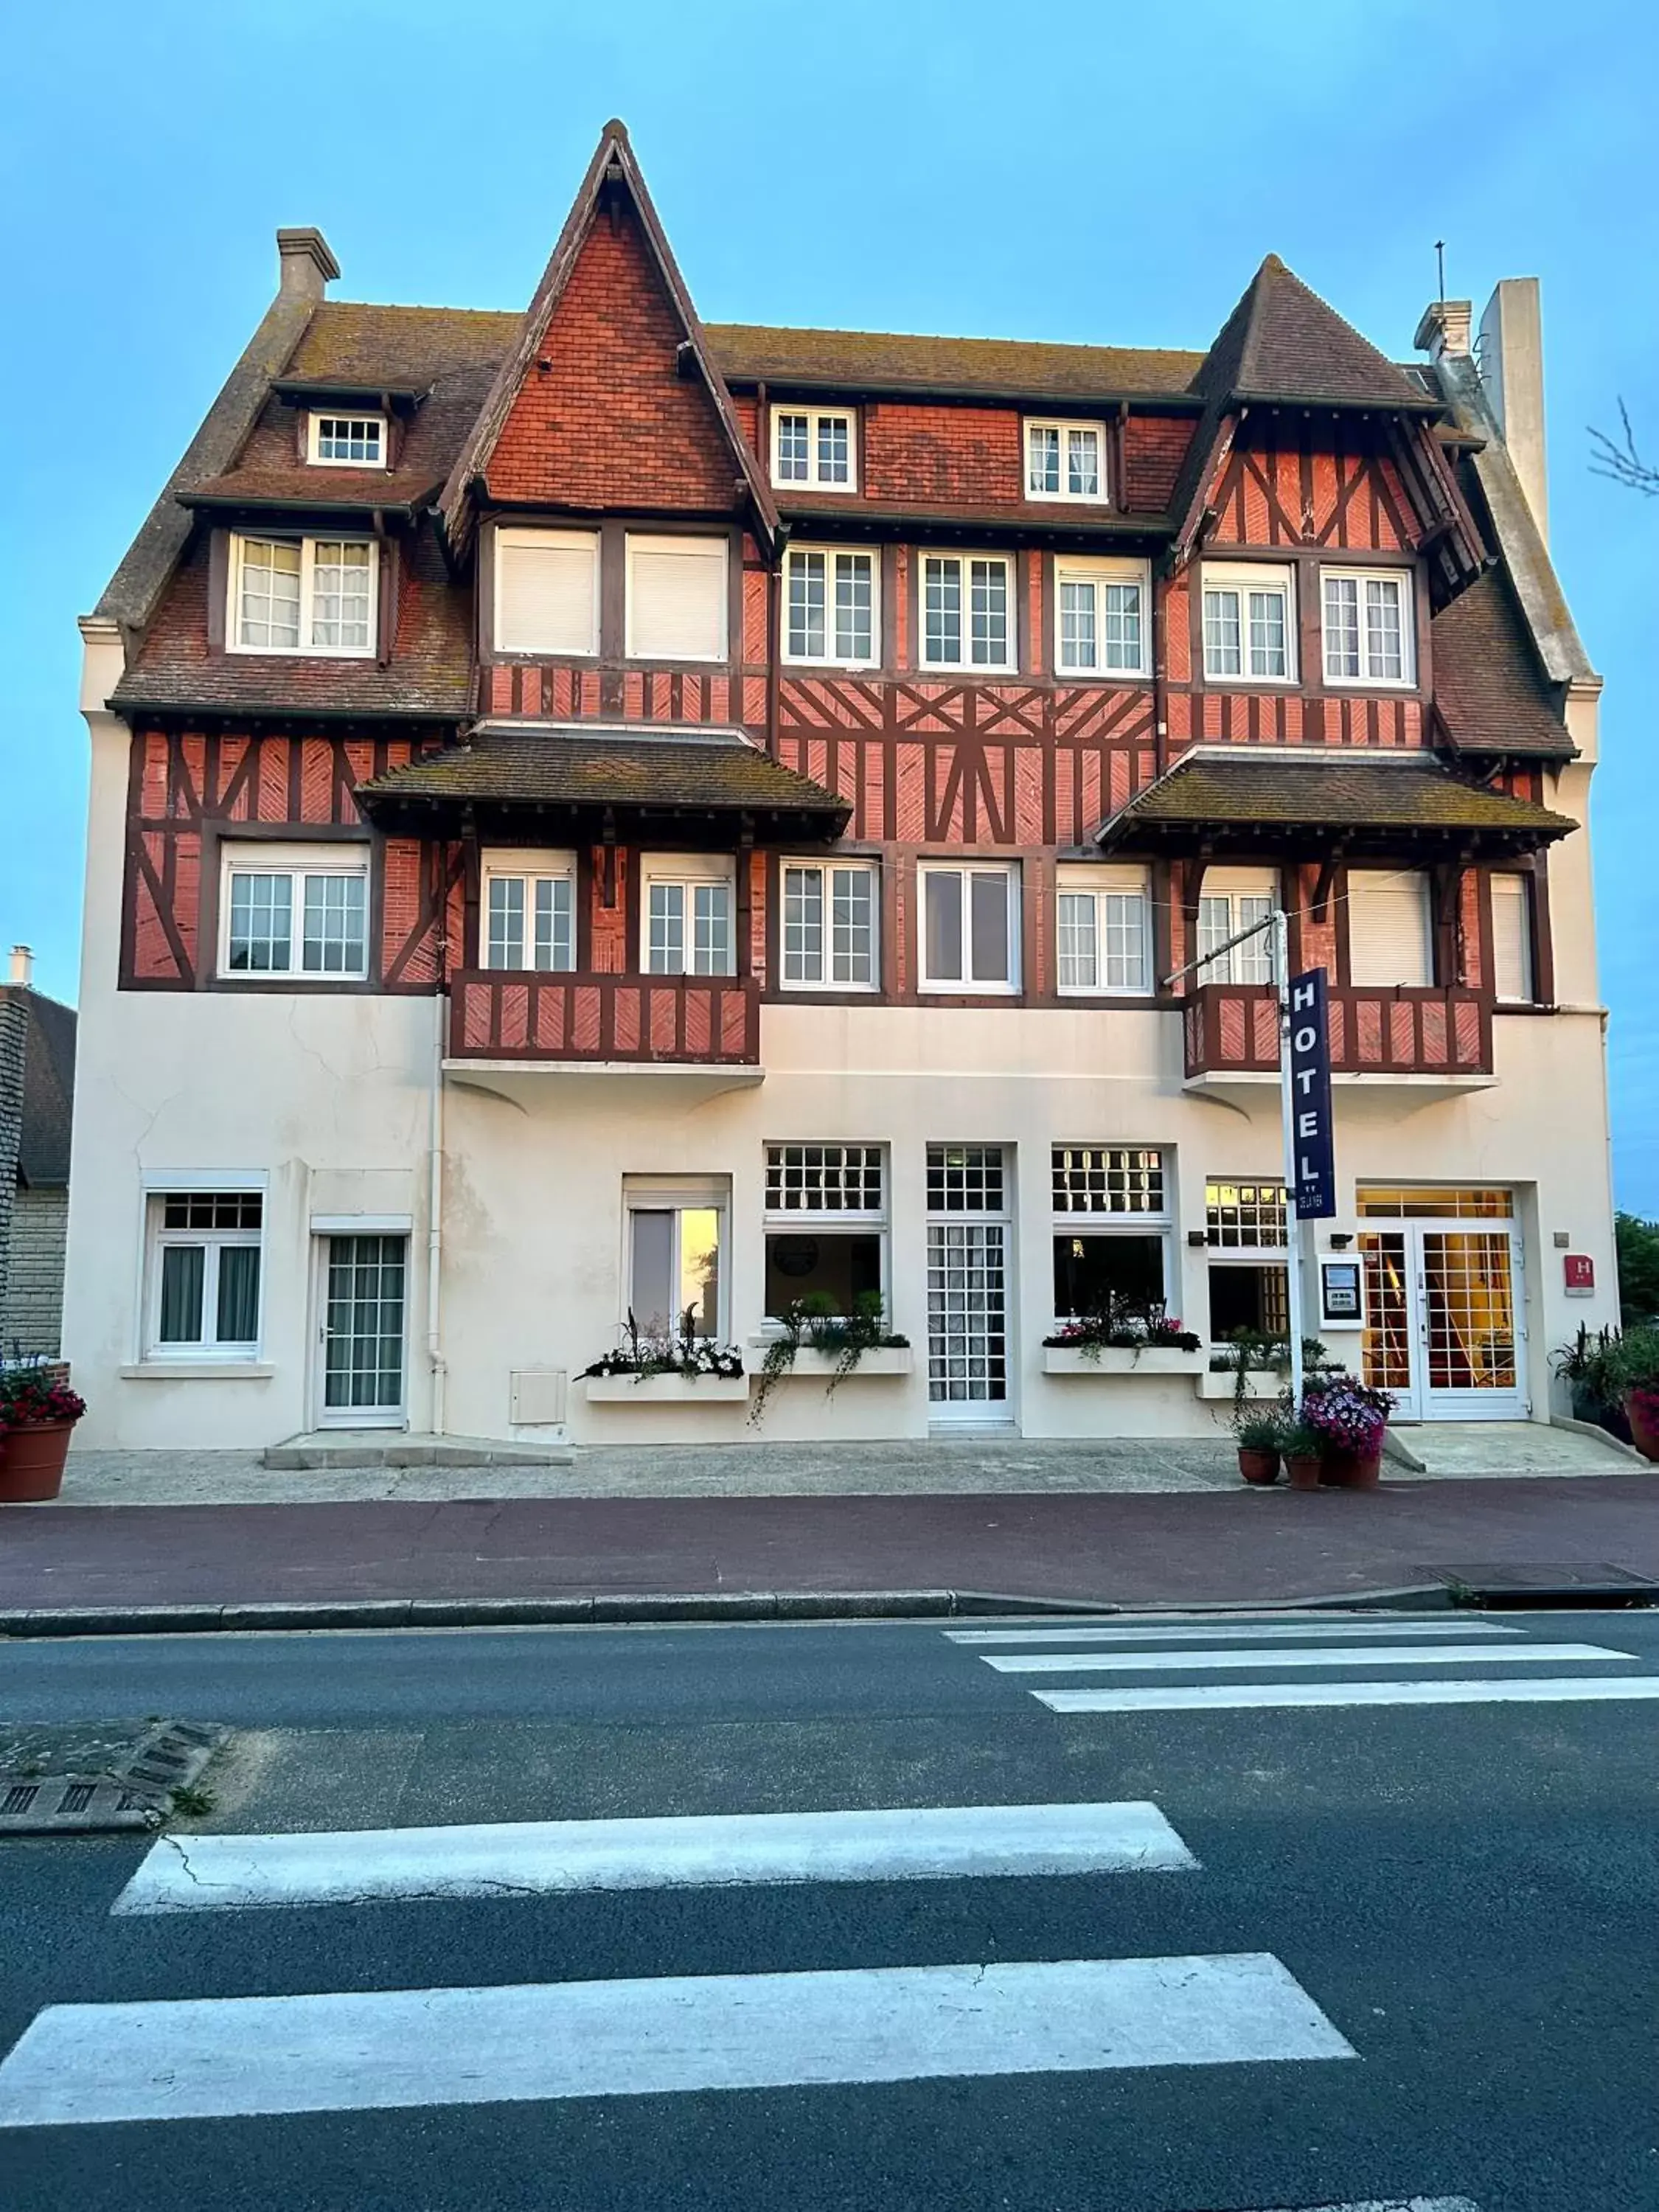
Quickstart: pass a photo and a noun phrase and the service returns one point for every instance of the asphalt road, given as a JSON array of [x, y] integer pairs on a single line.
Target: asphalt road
[[1463, 1894]]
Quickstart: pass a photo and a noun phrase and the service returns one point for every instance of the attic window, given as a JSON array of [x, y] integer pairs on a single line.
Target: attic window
[[812, 446], [348, 441], [1065, 461]]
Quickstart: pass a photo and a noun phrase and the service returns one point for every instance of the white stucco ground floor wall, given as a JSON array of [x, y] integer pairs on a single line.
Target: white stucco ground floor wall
[[322, 1104]]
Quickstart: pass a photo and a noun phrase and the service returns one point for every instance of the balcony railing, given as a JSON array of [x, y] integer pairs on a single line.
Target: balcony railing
[[687, 1020], [1232, 1029]]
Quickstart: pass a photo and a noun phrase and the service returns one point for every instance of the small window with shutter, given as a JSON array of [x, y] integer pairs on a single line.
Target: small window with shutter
[[1511, 940], [1389, 940], [677, 598], [547, 591]]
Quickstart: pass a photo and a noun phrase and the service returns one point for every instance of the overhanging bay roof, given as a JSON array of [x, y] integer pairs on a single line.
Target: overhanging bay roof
[[1276, 806]]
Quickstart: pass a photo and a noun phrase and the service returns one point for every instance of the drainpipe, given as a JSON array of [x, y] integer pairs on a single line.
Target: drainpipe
[[434, 1235]]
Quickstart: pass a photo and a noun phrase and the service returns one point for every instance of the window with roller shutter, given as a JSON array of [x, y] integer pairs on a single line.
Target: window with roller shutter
[[547, 591], [677, 598], [1511, 940], [1390, 941]]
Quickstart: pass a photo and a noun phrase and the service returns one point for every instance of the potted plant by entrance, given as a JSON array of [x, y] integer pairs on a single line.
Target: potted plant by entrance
[[1259, 1446], [1642, 1411], [1350, 1419], [38, 1410], [1303, 1457]]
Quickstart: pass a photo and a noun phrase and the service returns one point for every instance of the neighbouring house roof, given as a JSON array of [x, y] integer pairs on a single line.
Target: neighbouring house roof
[[1207, 799], [1490, 688], [890, 361], [43, 1154], [517, 770]]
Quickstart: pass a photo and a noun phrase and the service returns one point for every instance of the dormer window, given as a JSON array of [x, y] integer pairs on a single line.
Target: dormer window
[[347, 442], [303, 595], [814, 445], [1065, 461]]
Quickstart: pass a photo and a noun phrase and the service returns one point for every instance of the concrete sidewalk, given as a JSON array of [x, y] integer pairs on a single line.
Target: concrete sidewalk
[[1238, 1546]]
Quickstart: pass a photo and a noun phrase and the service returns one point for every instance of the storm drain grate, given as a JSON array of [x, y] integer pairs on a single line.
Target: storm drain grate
[[100, 1779], [1519, 1584]]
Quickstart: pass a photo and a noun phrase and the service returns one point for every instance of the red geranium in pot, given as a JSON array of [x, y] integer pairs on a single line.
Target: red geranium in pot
[[38, 1411]]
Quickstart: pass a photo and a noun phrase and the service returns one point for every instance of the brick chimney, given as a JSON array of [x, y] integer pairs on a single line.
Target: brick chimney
[[1444, 327], [1510, 352], [22, 966], [306, 263]]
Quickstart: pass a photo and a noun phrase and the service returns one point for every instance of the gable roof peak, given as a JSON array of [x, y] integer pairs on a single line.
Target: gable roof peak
[[1283, 342]]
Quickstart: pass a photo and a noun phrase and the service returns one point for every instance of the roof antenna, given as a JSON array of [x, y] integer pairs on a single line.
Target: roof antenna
[[1440, 263]]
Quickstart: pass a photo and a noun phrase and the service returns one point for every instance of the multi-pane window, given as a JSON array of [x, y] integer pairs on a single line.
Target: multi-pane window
[[1234, 900], [529, 911], [1103, 930], [348, 441], [814, 445], [677, 1235], [1100, 617], [205, 1254], [1367, 628], [288, 913], [302, 595], [967, 611], [830, 927], [969, 927], [1065, 461], [830, 606], [1244, 1226], [1244, 1216], [1111, 1231], [687, 918], [965, 1179], [826, 1229], [1248, 632]]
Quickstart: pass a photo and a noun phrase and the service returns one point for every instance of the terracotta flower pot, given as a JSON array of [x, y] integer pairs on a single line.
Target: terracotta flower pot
[[32, 1461], [1258, 1464], [1305, 1471], [1350, 1470], [1644, 1417]]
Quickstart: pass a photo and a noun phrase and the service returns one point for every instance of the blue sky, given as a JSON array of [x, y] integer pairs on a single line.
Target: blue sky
[[931, 165]]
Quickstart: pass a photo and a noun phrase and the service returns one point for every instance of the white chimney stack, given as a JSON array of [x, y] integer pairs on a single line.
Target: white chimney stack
[[1512, 356], [306, 263], [1444, 327], [22, 966]]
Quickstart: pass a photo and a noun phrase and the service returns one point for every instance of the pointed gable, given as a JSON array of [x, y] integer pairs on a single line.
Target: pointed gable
[[1283, 343], [610, 398]]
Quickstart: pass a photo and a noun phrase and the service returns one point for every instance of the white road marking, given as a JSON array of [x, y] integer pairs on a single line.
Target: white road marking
[[1394, 2205], [224, 2057], [541, 1857], [1198, 1631], [1219, 1697], [1403, 1655]]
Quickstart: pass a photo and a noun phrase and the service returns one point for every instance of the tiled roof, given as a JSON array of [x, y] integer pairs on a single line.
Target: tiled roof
[[535, 768], [43, 1154], [992, 523], [1327, 796], [358, 344], [1490, 689], [753, 353], [302, 485], [1282, 341]]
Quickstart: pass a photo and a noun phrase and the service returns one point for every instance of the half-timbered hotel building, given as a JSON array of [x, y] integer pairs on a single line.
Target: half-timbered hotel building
[[595, 813]]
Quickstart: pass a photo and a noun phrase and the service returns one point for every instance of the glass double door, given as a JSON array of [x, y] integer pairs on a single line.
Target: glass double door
[[361, 1297], [1442, 1327]]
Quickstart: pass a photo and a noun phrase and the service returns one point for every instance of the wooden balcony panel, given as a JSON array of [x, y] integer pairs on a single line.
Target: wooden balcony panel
[[674, 1020], [1232, 1029]]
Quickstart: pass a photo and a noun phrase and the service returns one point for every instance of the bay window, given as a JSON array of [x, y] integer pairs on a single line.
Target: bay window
[[1367, 626], [1103, 930], [967, 611], [831, 606], [1248, 625], [303, 595], [831, 927], [969, 926]]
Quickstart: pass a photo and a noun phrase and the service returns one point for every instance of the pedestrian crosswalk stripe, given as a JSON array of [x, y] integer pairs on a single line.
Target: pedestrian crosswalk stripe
[[1193, 1631], [1217, 1696], [1388, 1655], [542, 1857], [1394, 2204], [226, 2057]]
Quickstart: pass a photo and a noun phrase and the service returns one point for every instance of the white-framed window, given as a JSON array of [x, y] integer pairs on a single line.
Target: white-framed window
[[347, 442], [1390, 931], [832, 606], [816, 446], [1066, 460], [969, 925], [203, 1273], [967, 618], [679, 605], [1111, 1232], [547, 591], [1101, 616], [303, 595], [1366, 617], [530, 911], [825, 1226], [686, 918], [831, 926], [1248, 1284], [1103, 930], [676, 1232], [1231, 900], [293, 911], [1511, 938], [1250, 623]]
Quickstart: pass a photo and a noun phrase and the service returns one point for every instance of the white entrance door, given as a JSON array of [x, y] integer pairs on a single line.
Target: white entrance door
[[967, 1283], [1442, 1328], [361, 1301]]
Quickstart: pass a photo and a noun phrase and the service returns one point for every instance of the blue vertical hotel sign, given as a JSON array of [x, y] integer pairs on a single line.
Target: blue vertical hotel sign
[[1314, 1192]]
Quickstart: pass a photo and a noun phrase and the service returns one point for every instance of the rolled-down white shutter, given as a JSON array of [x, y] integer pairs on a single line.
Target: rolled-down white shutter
[[1388, 935], [547, 591], [677, 598], [1511, 936]]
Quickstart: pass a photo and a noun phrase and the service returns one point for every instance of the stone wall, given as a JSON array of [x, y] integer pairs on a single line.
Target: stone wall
[[31, 1291]]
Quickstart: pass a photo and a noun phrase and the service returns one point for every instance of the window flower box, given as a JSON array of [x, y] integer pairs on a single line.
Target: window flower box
[[1262, 1385], [1122, 1359], [667, 1390], [878, 1359]]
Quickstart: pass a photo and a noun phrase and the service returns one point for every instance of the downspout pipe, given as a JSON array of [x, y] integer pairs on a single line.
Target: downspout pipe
[[434, 1202]]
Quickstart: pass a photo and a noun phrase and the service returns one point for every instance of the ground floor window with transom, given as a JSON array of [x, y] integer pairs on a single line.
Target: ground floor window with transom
[[1111, 1229], [1248, 1276], [826, 1228], [970, 1197]]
